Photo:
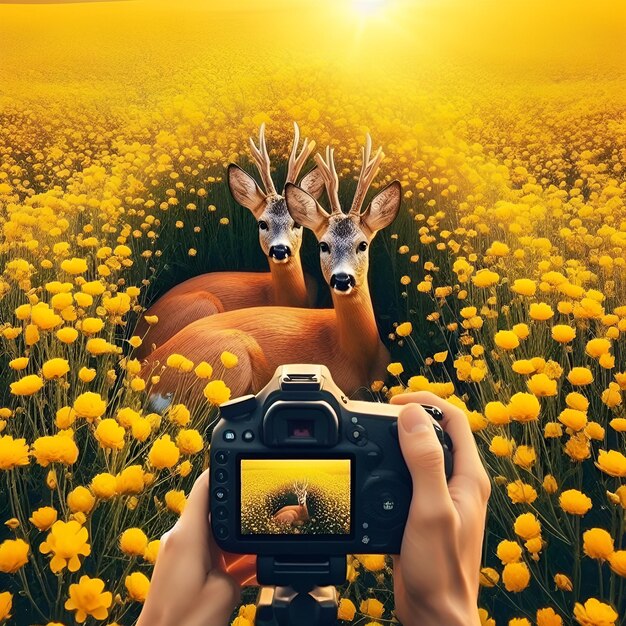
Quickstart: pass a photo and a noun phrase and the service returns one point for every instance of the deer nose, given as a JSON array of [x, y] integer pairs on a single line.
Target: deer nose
[[279, 252], [342, 281]]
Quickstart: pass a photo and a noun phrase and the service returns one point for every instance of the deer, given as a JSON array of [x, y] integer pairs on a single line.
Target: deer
[[344, 338], [295, 514], [280, 239]]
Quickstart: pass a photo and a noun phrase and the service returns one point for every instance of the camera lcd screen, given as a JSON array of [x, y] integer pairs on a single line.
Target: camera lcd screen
[[295, 497]]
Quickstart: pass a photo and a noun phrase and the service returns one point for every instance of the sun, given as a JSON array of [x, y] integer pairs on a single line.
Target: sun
[[370, 7]]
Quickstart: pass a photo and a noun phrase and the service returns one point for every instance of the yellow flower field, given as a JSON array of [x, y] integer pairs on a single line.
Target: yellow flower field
[[501, 286]]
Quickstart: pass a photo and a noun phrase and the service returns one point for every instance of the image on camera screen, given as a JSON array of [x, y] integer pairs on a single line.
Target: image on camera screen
[[295, 497]]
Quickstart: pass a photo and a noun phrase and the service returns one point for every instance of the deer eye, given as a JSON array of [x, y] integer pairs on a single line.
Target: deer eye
[[362, 246], [262, 225], [324, 247]]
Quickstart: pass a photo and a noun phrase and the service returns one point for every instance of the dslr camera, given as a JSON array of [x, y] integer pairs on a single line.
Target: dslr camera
[[299, 469]]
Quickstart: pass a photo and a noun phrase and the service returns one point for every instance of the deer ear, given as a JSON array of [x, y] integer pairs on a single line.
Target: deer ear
[[245, 190], [383, 208], [304, 209], [313, 183]]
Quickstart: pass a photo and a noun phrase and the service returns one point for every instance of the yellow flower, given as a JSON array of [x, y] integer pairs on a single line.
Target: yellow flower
[[485, 278], [133, 541], [67, 541], [552, 429], [372, 562], [89, 405], [549, 484], [523, 366], [44, 318], [527, 526], [524, 287], [74, 266], [141, 428], [516, 577], [489, 577], [229, 359], [540, 311], [179, 362], [612, 462], [97, 346], [13, 555], [346, 610], [519, 621], [87, 597], [27, 386], [520, 492], [19, 364], [542, 386], [43, 517], [618, 424], [55, 368], [189, 441], [67, 334], [86, 374], [598, 543], [152, 550], [506, 339], [563, 582], [163, 453], [110, 434], [580, 376], [395, 369], [501, 446], [577, 401], [525, 457], [130, 480], [137, 585], [594, 613], [404, 329], [548, 617], [572, 418], [203, 370], [597, 347], [184, 468], [524, 407], [179, 414], [485, 620], [175, 501], [509, 551], [575, 502], [91, 325], [13, 452], [6, 604], [151, 319], [563, 333], [497, 413], [80, 499], [372, 607], [65, 417], [55, 449], [104, 485], [216, 392], [521, 330], [617, 561]]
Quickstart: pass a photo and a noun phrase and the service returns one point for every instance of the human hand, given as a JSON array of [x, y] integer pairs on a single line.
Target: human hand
[[194, 583], [437, 572]]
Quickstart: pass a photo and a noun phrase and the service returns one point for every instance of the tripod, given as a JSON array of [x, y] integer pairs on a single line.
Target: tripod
[[298, 591]]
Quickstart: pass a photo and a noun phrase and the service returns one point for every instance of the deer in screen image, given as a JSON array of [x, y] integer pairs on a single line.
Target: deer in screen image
[[294, 514], [280, 238], [344, 338]]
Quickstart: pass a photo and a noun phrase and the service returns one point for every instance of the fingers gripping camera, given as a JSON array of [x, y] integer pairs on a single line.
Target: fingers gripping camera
[[300, 468]]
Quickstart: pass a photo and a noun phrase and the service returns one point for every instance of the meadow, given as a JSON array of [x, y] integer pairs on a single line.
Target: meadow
[[501, 286]]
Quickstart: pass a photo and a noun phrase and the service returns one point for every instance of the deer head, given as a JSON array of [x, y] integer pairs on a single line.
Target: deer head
[[344, 238], [280, 237], [300, 489]]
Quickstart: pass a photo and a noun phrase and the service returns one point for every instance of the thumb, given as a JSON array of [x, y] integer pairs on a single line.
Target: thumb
[[423, 455]]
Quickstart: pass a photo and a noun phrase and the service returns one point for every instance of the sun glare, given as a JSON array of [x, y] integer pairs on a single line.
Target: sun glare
[[369, 7]]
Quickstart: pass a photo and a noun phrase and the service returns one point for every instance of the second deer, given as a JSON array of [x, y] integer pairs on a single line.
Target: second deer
[[344, 338], [280, 238]]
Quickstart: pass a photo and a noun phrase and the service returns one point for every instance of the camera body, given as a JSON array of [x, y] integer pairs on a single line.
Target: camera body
[[301, 469]]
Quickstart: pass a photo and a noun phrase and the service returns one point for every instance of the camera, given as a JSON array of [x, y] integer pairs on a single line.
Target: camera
[[301, 469]]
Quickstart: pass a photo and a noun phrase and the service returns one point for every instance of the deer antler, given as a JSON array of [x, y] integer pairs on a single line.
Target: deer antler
[[369, 169], [262, 160], [296, 161], [329, 174]]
